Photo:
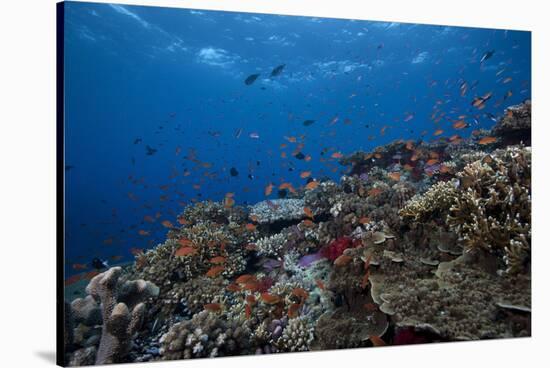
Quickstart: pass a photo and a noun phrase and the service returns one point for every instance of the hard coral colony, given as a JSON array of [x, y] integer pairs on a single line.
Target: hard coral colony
[[426, 238]]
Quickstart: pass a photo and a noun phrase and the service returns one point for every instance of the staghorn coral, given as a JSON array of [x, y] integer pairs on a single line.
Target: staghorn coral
[[493, 210], [205, 335], [122, 310]]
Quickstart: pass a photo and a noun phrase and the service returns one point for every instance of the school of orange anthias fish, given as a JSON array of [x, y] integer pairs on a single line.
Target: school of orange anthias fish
[[418, 243]]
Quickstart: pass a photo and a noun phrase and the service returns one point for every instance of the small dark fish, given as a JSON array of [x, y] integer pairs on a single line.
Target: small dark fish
[[308, 122], [233, 172], [257, 163], [150, 151], [487, 56], [379, 47], [278, 70], [99, 264], [282, 193], [250, 176], [300, 156], [251, 79], [68, 167], [137, 140]]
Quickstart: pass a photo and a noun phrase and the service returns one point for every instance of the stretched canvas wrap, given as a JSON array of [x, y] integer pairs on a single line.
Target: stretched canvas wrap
[[238, 184]]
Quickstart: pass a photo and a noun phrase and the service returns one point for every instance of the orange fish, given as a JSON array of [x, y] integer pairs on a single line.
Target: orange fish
[[215, 271], [376, 341], [182, 221], [487, 140], [461, 124], [247, 311], [283, 154], [438, 132], [250, 299], [185, 242], [250, 246], [374, 192], [337, 155], [143, 233], [243, 279], [364, 220], [79, 266], [342, 260], [320, 284], [432, 161], [312, 185], [73, 279], [148, 218], [293, 310], [228, 202], [300, 293], [268, 189], [250, 227], [395, 176], [305, 174], [217, 260], [290, 139], [185, 251], [233, 288], [454, 137], [136, 251], [308, 223], [308, 212], [213, 307], [270, 298], [307, 158], [444, 169], [167, 224]]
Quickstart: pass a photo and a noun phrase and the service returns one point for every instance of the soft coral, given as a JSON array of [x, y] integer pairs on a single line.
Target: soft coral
[[336, 248]]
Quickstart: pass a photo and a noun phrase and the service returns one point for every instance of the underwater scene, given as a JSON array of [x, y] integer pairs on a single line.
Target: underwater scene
[[240, 184]]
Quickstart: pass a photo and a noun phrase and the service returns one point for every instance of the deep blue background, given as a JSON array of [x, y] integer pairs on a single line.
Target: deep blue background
[[131, 70]]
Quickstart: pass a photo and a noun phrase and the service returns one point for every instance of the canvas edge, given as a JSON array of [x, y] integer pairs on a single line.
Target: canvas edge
[[60, 184]]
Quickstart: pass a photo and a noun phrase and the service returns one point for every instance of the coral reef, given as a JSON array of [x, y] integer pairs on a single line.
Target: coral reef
[[418, 242]]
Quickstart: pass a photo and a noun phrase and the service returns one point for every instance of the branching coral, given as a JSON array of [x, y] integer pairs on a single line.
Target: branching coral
[[493, 209], [438, 198]]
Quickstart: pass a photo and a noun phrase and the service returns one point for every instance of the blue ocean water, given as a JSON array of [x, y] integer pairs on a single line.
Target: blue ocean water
[[157, 111]]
